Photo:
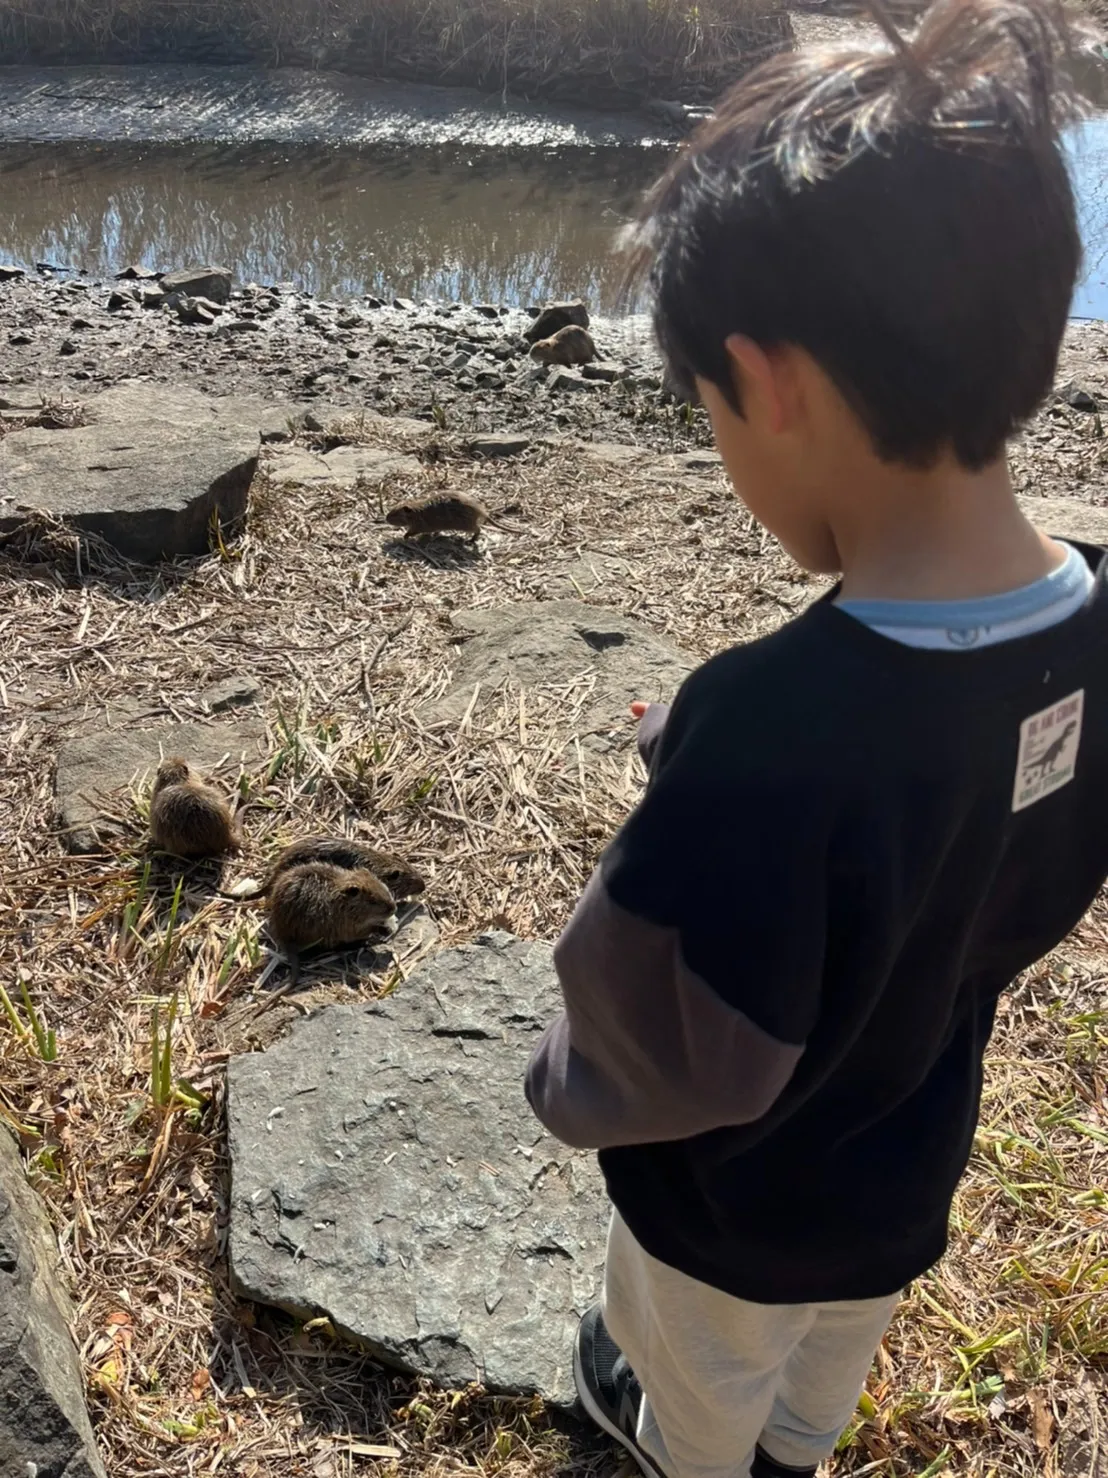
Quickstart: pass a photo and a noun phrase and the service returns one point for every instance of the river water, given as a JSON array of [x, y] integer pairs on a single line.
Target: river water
[[445, 223], [442, 194]]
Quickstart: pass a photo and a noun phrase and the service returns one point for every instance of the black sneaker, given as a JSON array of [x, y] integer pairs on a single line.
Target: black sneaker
[[765, 1466], [608, 1389]]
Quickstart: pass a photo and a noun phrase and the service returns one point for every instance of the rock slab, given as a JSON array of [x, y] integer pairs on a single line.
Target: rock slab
[[95, 766], [146, 472], [44, 1427], [344, 467], [1068, 518], [200, 282], [387, 1171], [535, 643]]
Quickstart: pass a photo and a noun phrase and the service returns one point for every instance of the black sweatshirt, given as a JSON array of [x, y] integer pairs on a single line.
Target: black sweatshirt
[[781, 980]]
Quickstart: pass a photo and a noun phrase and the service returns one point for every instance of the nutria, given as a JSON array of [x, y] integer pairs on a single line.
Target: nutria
[[570, 345], [187, 817], [401, 880], [444, 513], [317, 903]]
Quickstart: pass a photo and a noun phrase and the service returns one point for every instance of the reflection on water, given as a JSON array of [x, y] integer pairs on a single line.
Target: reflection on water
[[484, 226], [1090, 171], [474, 226]]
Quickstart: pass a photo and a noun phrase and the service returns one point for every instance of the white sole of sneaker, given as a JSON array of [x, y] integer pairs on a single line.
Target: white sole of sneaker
[[605, 1423]]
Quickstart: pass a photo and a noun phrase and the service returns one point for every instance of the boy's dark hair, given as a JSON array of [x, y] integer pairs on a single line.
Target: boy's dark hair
[[904, 214]]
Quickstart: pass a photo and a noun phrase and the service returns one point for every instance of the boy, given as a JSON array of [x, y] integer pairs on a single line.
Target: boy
[[780, 982]]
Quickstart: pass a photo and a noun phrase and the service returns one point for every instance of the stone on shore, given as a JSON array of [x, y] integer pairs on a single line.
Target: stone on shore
[[199, 282], [96, 767], [559, 641], [386, 1171], [44, 1426], [147, 469], [503, 445]]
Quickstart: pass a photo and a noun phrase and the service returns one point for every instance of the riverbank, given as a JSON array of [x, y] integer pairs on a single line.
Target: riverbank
[[461, 368], [466, 370], [341, 641], [610, 54]]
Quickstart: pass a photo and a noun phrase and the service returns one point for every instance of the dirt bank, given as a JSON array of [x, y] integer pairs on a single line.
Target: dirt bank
[[462, 368]]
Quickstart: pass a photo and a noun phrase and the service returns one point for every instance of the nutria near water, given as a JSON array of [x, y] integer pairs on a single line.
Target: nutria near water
[[319, 904], [444, 513], [570, 345], [187, 817]]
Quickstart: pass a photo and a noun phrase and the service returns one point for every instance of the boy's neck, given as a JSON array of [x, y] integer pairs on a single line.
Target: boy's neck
[[939, 534]]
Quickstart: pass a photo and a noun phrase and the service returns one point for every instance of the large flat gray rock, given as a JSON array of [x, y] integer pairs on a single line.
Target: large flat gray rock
[[95, 767], [540, 642], [1068, 518], [146, 472], [387, 1171], [44, 1427], [343, 467]]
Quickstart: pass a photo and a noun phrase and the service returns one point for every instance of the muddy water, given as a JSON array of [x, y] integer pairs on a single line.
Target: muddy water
[[447, 195], [175, 104], [447, 224]]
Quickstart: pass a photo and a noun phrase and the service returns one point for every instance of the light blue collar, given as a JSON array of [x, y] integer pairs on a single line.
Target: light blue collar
[[1061, 584]]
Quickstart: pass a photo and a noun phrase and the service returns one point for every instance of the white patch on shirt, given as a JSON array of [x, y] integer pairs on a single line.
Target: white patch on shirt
[[1047, 756]]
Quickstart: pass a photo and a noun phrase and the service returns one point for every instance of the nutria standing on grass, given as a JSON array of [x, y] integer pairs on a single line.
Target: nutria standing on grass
[[317, 903], [187, 817]]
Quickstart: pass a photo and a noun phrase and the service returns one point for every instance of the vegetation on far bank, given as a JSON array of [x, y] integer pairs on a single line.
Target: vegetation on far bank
[[606, 52]]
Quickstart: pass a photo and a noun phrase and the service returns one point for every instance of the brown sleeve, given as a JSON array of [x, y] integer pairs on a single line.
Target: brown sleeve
[[650, 729], [645, 1051]]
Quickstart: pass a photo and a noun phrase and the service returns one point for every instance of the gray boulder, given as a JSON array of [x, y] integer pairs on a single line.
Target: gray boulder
[[541, 642], [344, 466], [200, 282], [146, 471], [387, 1171], [44, 1427], [95, 767], [502, 445]]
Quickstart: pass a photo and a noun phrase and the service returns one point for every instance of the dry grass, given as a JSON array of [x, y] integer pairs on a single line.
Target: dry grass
[[597, 50], [997, 1364]]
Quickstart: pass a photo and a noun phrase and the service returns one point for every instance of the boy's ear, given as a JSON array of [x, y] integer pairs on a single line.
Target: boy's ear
[[764, 382]]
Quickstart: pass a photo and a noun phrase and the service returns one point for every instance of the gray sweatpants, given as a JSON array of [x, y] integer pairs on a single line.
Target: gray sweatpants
[[721, 1375]]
